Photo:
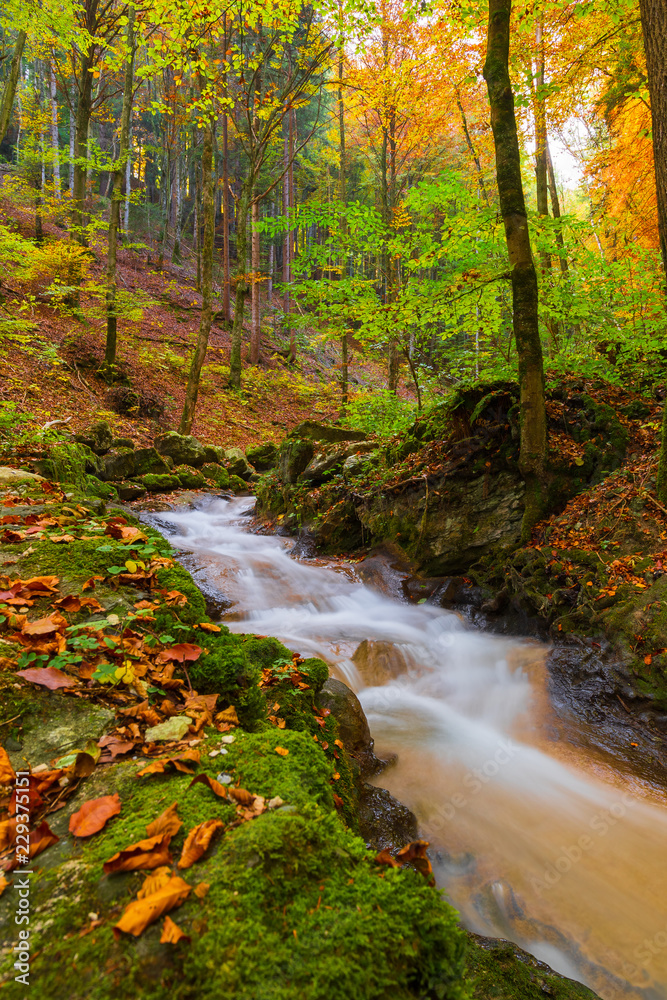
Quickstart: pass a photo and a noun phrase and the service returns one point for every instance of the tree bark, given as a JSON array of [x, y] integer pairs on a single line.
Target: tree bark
[[208, 211], [83, 113], [54, 132], [524, 277], [11, 82], [342, 166], [255, 329], [654, 27], [116, 197], [241, 282]]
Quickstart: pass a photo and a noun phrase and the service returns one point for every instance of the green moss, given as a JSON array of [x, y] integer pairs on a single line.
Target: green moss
[[77, 560], [316, 671], [97, 488], [177, 578], [226, 669], [189, 478], [156, 482], [265, 652], [304, 774], [503, 972], [237, 484], [70, 463], [217, 474]]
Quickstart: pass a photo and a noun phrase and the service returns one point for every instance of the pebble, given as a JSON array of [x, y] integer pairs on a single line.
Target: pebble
[[225, 779], [228, 739]]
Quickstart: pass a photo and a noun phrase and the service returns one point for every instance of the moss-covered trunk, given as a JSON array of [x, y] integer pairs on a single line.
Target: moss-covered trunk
[[11, 81], [524, 277], [242, 286]]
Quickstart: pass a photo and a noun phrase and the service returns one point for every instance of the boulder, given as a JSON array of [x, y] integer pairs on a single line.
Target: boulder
[[352, 723], [384, 822], [159, 483], [129, 491], [263, 456], [322, 466], [122, 443], [237, 464], [354, 464], [147, 461], [118, 465], [213, 454], [379, 662], [10, 477], [217, 474], [190, 479], [98, 437], [312, 430], [183, 449], [295, 456]]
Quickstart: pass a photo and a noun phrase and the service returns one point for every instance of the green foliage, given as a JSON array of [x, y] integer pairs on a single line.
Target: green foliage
[[380, 411]]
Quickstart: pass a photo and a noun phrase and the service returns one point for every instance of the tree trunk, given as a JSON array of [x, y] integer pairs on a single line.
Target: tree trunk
[[540, 125], [654, 26], [255, 329], [208, 211], [287, 242], [292, 233], [72, 140], [83, 113], [241, 282], [11, 82], [344, 367], [116, 197], [128, 182], [524, 278], [54, 132]]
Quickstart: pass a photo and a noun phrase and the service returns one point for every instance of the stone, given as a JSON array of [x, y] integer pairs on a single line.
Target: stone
[[237, 484], [190, 479], [53, 725], [353, 728], [213, 454], [263, 456], [123, 443], [184, 449], [379, 662], [129, 491], [237, 464], [148, 461], [98, 437], [118, 465], [384, 822], [156, 482], [218, 474], [322, 466], [354, 464], [312, 430], [10, 477], [295, 455]]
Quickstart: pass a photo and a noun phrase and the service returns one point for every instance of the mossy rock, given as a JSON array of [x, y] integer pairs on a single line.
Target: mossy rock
[[98, 437], [177, 578], [183, 449], [147, 461], [97, 488], [263, 456], [129, 491], [237, 484], [217, 474], [501, 970], [159, 483], [119, 464], [189, 478], [237, 464]]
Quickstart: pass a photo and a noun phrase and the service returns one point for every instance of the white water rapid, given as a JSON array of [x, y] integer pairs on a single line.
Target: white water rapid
[[534, 838]]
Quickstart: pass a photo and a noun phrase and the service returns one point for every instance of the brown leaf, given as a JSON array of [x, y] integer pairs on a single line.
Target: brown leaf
[[94, 815], [385, 858], [142, 912], [149, 853], [172, 933], [228, 716], [7, 774], [241, 795], [201, 889], [44, 626], [166, 825], [41, 586], [48, 677], [282, 751], [414, 854], [177, 762], [90, 584], [209, 627], [182, 652], [113, 746], [198, 840], [4, 883], [7, 833], [41, 838], [70, 603], [154, 882], [214, 785]]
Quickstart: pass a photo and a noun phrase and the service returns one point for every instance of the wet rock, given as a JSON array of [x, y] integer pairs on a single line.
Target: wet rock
[[98, 437], [379, 662], [321, 466], [217, 473], [312, 430], [118, 465], [263, 456], [129, 491], [305, 546], [122, 442], [384, 822], [352, 723], [213, 454], [237, 464], [53, 725], [494, 605], [294, 458], [183, 449], [147, 461], [10, 477]]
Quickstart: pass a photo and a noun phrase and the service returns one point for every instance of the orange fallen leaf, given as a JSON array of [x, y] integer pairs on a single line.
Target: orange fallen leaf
[[229, 716], [414, 854], [154, 882], [7, 833], [282, 751], [172, 933], [209, 627], [48, 677], [41, 838], [94, 815], [198, 841], [178, 762], [385, 858], [201, 889], [241, 795], [4, 883], [182, 652], [90, 584], [7, 774], [214, 785], [41, 586], [149, 853], [166, 825], [142, 912]]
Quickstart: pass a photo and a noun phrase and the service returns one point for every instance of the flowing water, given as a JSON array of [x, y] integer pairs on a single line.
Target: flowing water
[[537, 834]]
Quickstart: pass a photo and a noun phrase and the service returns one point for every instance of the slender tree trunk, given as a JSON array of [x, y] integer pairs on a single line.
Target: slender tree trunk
[[72, 140], [55, 146], [292, 233], [524, 278], [556, 212], [11, 82], [540, 124], [242, 287], [83, 113], [178, 205], [342, 167], [255, 329], [208, 211], [287, 242], [226, 281], [654, 25], [128, 182], [471, 147], [116, 197]]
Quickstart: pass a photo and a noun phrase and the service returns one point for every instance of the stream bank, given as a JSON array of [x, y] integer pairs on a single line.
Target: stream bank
[[288, 899]]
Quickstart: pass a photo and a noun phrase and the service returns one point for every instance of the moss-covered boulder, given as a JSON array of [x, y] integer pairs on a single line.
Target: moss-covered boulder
[[119, 464], [217, 474], [263, 456], [129, 491], [159, 482], [313, 430], [295, 454], [213, 454], [147, 461], [189, 478], [237, 464], [183, 449], [98, 437], [237, 484]]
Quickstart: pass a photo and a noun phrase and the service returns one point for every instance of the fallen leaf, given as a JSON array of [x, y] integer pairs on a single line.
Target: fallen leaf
[[94, 815], [241, 795], [228, 716], [214, 785], [385, 858], [7, 833], [48, 677], [198, 840], [142, 912], [90, 584], [150, 853], [173, 729], [44, 626], [414, 854], [4, 883], [7, 774], [201, 889], [41, 586], [178, 762], [183, 652], [172, 933], [41, 838], [155, 881], [209, 627], [282, 751], [115, 747], [166, 825]]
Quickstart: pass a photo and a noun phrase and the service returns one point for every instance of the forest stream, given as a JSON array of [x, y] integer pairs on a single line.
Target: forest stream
[[539, 833]]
